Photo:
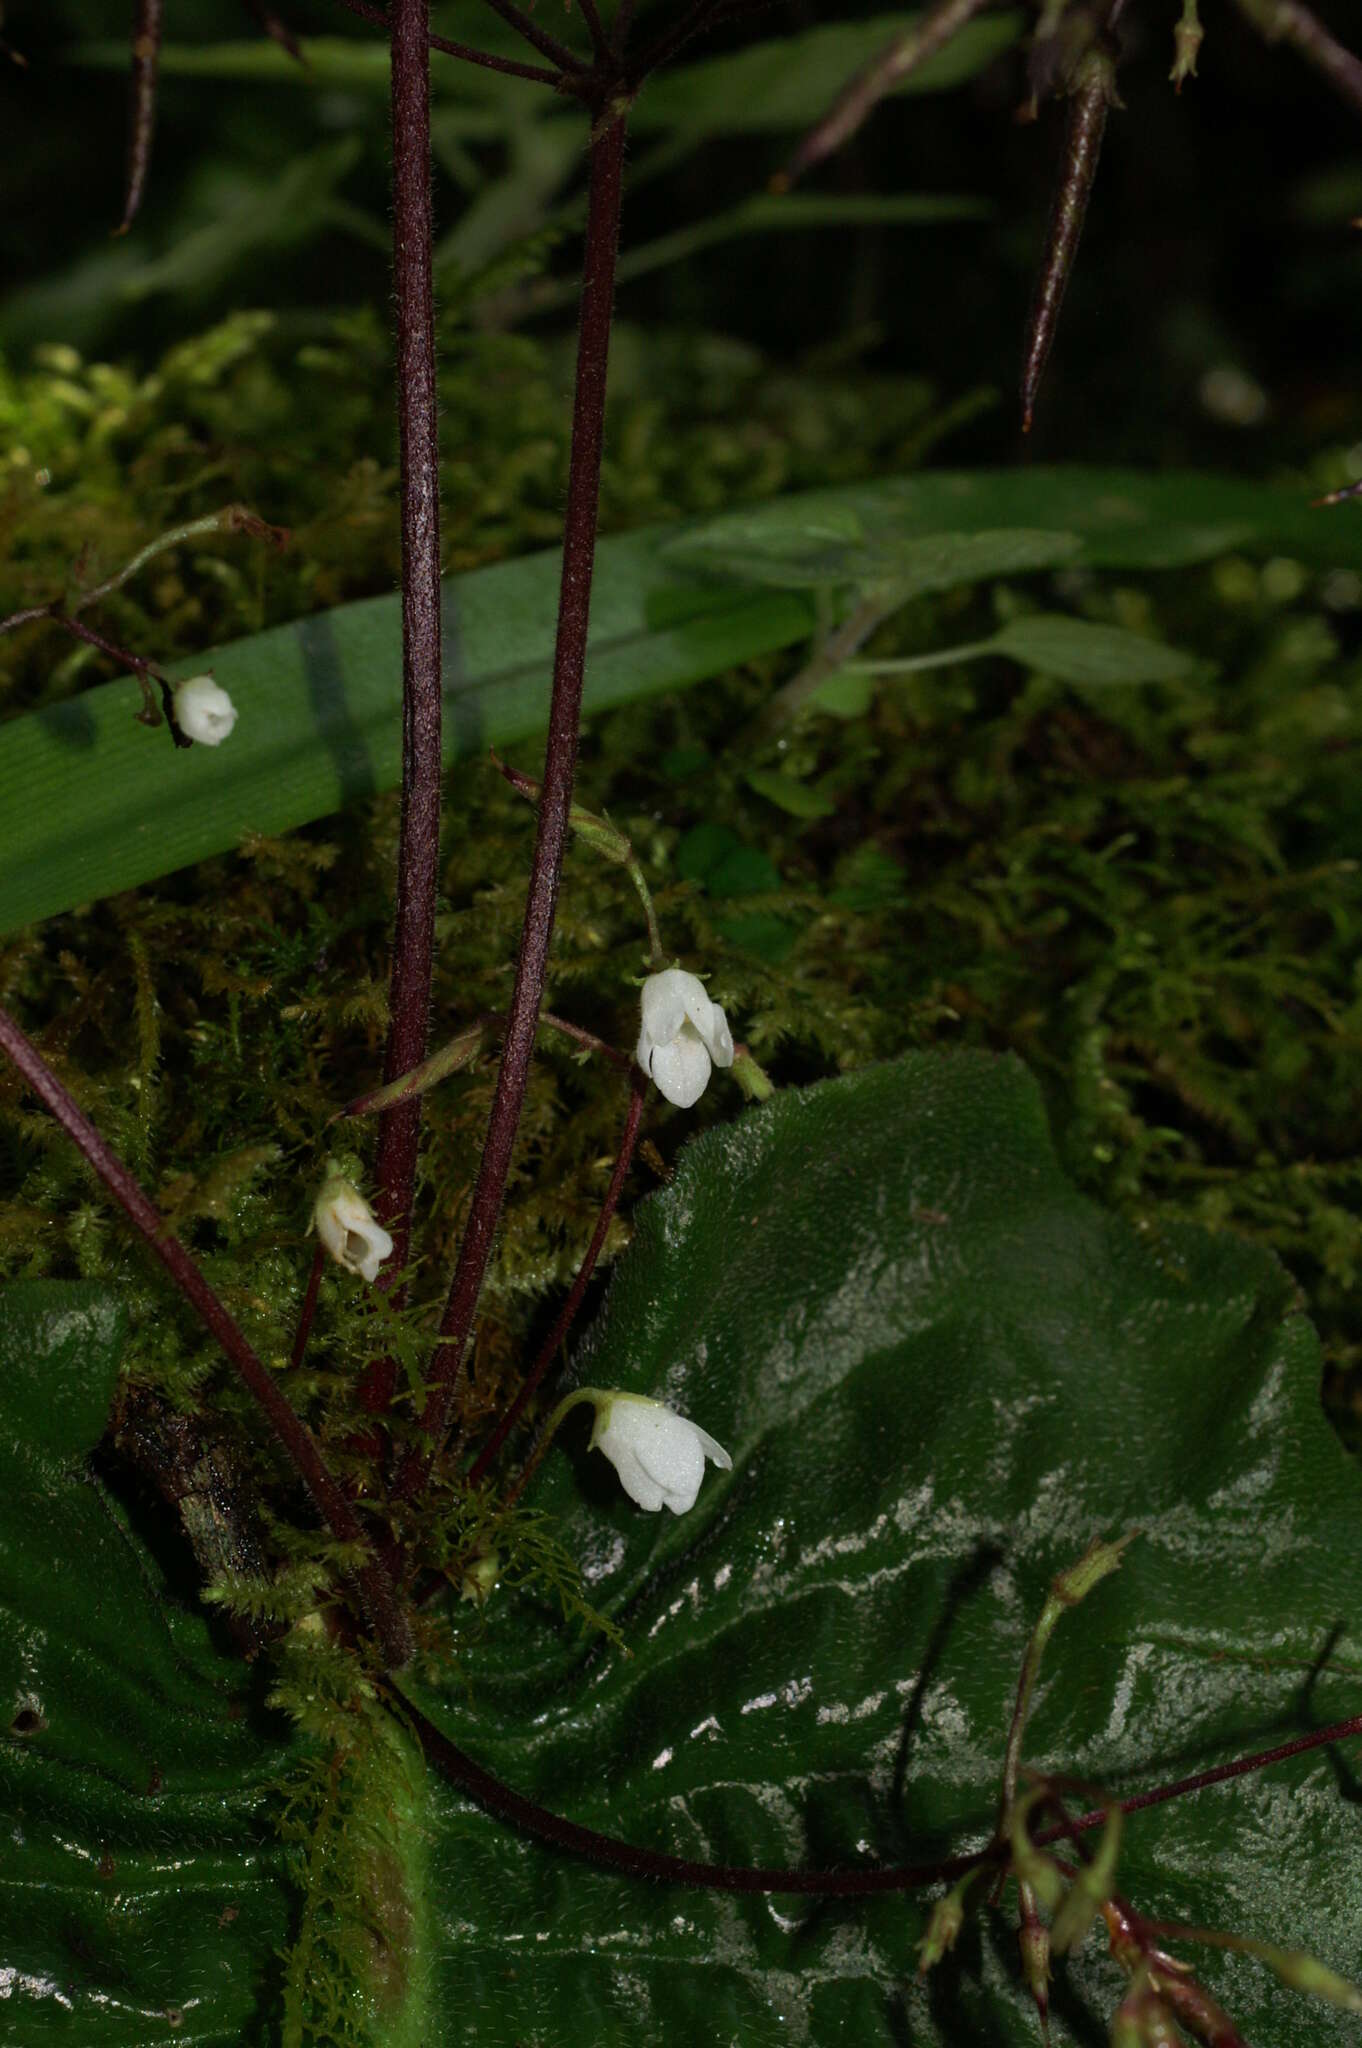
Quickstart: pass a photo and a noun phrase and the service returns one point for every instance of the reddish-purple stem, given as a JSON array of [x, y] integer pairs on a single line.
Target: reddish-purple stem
[[375, 1587], [700, 17], [569, 664], [277, 30], [308, 1309], [146, 50], [484, 58], [529, 30], [506, 1804], [906, 53], [1289, 21], [563, 1323], [135, 664], [1087, 122], [419, 432], [595, 28]]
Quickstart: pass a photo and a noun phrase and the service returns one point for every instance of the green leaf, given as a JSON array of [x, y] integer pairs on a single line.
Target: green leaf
[[786, 83], [95, 803], [1124, 519], [940, 1372], [1075, 652], [800, 799], [140, 1890], [845, 694]]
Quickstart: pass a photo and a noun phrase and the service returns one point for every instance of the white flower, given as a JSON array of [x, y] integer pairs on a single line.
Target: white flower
[[204, 711], [349, 1229], [659, 1455], [683, 1031]]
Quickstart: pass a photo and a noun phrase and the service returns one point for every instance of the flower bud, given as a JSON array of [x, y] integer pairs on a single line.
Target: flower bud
[[204, 711]]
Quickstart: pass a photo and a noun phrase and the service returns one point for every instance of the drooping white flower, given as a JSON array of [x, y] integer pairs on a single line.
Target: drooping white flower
[[349, 1229], [659, 1455], [204, 711], [683, 1034]]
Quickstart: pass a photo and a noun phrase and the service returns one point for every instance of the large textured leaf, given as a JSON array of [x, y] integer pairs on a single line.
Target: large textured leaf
[[92, 802], [940, 1371], [140, 1900]]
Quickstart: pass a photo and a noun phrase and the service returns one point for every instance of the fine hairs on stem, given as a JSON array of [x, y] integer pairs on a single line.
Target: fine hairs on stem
[[560, 762], [419, 437]]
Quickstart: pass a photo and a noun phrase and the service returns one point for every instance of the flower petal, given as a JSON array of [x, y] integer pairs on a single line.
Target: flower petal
[[681, 1068], [664, 1003]]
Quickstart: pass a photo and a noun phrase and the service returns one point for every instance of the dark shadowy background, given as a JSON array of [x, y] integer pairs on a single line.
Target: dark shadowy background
[[1218, 247]]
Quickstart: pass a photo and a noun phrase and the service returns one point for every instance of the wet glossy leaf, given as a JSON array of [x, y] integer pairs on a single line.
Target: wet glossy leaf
[[140, 1895], [940, 1371]]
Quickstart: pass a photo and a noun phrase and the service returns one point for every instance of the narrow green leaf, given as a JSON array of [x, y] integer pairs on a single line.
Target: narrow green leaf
[[1075, 652], [94, 802]]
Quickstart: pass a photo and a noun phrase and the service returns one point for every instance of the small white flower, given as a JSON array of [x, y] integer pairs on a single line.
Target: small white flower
[[683, 1032], [659, 1455], [204, 711], [349, 1229]]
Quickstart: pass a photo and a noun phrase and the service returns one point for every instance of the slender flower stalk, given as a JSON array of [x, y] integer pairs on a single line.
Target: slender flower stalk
[[419, 432], [309, 1308], [553, 1343], [375, 1587], [579, 549]]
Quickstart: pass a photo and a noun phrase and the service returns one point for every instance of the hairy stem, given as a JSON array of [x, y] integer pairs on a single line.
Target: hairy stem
[[1288, 21], [861, 94], [563, 1322], [375, 1587], [146, 53], [528, 28], [419, 431], [484, 58], [1093, 94], [569, 666]]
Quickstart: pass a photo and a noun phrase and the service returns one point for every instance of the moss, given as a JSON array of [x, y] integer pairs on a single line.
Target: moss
[[1150, 893]]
